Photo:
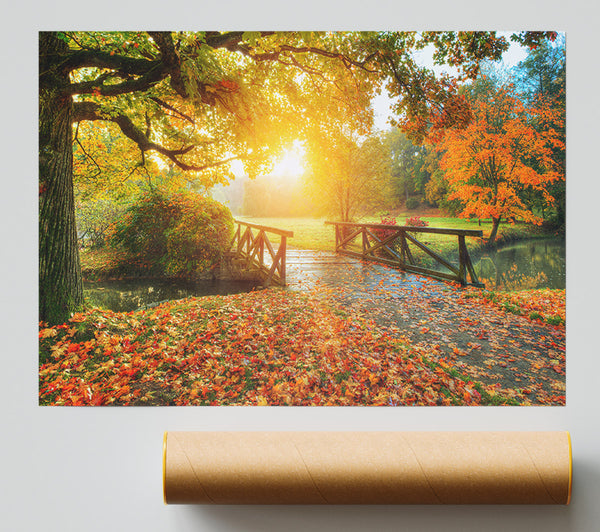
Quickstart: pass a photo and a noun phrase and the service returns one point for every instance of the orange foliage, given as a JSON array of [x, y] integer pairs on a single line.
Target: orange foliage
[[506, 149]]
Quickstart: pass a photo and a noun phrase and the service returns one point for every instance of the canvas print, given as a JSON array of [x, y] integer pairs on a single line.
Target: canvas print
[[302, 218]]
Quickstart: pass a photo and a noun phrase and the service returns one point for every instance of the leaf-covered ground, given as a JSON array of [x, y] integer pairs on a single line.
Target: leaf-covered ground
[[541, 305], [496, 339], [269, 347], [344, 333]]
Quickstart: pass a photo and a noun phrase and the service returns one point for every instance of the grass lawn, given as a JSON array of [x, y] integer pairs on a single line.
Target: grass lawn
[[312, 233]]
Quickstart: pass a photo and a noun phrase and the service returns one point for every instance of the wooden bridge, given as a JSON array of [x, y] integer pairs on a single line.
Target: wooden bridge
[[391, 244], [252, 251]]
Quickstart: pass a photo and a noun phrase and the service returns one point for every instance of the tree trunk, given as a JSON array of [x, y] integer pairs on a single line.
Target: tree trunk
[[494, 232], [60, 286]]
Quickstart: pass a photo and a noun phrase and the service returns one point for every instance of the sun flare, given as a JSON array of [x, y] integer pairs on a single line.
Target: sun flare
[[291, 163]]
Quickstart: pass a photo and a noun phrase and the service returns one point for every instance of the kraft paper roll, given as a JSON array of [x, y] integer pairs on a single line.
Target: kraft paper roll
[[367, 467]]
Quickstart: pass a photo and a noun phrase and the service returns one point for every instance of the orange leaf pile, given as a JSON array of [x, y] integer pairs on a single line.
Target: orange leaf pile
[[270, 347]]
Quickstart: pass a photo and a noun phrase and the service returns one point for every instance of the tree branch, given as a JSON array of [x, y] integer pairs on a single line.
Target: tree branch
[[170, 59], [91, 111], [86, 154], [275, 55], [100, 59], [140, 84], [171, 108]]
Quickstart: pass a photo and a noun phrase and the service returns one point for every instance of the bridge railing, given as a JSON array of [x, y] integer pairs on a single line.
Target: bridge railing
[[391, 244], [251, 245]]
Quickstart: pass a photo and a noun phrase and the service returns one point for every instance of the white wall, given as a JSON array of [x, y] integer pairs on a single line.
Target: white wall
[[99, 469]]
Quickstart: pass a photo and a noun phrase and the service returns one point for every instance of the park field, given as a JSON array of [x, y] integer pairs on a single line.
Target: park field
[[312, 233]]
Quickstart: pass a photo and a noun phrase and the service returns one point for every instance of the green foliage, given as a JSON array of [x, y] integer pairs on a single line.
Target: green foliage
[[555, 320], [179, 234], [412, 203], [95, 220], [542, 75], [349, 175]]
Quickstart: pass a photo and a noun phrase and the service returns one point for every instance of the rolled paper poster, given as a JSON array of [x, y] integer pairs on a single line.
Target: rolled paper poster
[[367, 467]]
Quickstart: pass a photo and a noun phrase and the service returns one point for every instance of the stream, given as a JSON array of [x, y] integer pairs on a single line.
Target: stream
[[518, 266], [124, 295]]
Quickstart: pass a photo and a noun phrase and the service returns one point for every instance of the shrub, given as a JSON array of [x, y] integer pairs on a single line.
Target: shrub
[[177, 234], [412, 203], [382, 233], [415, 221]]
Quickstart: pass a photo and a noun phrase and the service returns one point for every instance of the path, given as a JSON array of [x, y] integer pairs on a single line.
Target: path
[[524, 359]]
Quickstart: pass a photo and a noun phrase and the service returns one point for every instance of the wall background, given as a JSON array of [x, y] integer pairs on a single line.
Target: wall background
[[98, 469]]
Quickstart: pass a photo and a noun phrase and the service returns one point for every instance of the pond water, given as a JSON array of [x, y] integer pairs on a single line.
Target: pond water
[[125, 295], [523, 265], [518, 266]]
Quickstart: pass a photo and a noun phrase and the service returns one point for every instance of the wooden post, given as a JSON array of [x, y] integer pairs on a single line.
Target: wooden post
[[403, 247], [462, 257], [261, 249], [283, 246]]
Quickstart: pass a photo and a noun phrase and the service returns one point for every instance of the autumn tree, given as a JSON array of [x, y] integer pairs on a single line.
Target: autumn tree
[[348, 175], [505, 150], [410, 168], [202, 99], [196, 100]]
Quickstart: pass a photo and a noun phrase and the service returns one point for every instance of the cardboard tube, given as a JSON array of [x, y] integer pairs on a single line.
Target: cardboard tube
[[367, 467]]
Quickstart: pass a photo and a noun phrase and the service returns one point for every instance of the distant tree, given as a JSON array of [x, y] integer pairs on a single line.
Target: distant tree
[[506, 150], [543, 71], [542, 75], [410, 167], [349, 175]]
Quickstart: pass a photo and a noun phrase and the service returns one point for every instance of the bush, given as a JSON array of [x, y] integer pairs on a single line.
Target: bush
[[416, 221], [412, 203], [383, 233], [177, 234]]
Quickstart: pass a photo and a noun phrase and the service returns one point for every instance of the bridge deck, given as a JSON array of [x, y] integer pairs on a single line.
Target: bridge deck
[[491, 346], [307, 269]]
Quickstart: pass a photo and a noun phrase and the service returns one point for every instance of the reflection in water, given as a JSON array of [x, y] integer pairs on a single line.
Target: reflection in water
[[125, 295], [524, 265]]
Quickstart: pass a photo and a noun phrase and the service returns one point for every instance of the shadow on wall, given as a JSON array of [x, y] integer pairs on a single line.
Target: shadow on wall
[[379, 518]]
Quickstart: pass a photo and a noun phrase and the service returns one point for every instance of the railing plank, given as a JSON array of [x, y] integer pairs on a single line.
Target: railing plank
[[406, 260], [413, 229], [250, 247], [433, 254], [346, 239], [281, 232]]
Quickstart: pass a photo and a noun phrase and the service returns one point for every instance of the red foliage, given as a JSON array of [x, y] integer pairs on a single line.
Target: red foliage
[[415, 221]]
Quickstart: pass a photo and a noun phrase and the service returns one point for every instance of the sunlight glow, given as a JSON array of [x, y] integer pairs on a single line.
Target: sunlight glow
[[291, 163], [237, 167]]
